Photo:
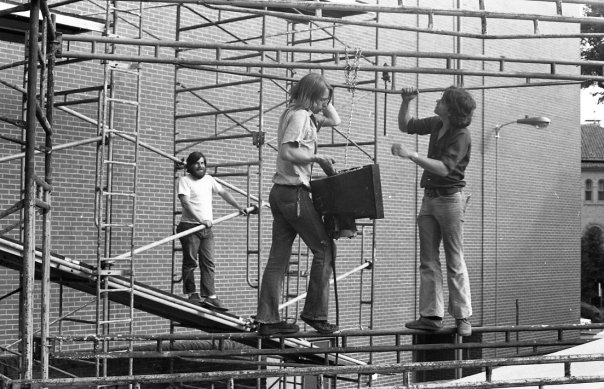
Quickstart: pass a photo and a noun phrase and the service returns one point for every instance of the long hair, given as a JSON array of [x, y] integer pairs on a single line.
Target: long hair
[[460, 104], [194, 157], [309, 89]]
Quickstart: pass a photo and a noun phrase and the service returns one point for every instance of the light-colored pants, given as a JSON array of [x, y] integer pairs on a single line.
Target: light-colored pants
[[441, 220]]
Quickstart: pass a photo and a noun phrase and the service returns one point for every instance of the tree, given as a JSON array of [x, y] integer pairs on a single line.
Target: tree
[[592, 263], [592, 48]]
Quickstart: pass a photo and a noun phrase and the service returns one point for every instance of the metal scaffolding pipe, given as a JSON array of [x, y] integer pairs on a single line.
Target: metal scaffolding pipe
[[212, 138], [339, 67], [340, 351], [331, 281], [395, 368], [348, 333], [370, 8], [400, 27], [176, 236], [55, 148], [27, 276], [316, 50]]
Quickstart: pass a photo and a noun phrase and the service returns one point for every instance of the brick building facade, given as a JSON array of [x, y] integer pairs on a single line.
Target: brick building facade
[[523, 221], [592, 176]]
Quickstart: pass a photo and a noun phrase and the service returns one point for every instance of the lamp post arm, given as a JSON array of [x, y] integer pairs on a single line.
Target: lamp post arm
[[500, 126]]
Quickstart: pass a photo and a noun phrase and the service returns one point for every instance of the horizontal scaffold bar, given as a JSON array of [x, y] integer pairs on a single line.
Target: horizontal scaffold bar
[[342, 67], [394, 368], [369, 8], [403, 27], [348, 333], [335, 52], [340, 351], [594, 2]]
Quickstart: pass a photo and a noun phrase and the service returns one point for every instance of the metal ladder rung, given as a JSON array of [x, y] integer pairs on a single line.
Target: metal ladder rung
[[118, 225], [115, 321], [129, 102], [125, 71], [123, 163], [119, 194]]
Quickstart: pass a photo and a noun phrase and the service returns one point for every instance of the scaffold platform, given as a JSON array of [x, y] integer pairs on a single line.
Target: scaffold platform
[[81, 276]]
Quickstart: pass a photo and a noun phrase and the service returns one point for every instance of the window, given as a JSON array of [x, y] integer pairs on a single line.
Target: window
[[588, 189], [601, 190]]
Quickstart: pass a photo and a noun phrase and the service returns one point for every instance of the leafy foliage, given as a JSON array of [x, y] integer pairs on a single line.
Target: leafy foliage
[[592, 263], [592, 48]]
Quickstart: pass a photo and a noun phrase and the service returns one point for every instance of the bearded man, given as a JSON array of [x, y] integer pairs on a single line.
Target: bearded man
[[195, 191]]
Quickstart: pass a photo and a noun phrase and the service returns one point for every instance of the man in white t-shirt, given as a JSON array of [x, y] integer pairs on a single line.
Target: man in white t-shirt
[[195, 191]]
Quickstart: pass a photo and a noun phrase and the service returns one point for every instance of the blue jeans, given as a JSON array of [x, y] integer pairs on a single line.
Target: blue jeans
[[441, 219], [294, 214], [197, 251]]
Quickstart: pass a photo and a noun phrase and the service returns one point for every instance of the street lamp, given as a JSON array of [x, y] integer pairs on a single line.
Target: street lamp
[[535, 121]]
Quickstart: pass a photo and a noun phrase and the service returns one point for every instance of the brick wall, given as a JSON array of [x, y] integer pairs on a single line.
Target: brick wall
[[522, 226]]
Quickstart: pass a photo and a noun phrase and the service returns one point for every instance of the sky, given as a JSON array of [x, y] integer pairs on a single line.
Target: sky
[[590, 110]]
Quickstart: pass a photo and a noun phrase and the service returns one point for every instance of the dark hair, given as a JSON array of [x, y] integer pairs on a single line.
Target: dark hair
[[194, 157], [461, 106], [309, 89]]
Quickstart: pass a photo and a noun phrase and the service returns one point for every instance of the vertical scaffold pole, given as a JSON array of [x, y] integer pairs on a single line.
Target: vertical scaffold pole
[[27, 275], [51, 47]]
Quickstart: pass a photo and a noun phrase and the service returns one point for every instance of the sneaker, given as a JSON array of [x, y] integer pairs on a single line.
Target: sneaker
[[282, 327], [214, 303], [423, 323], [464, 328], [322, 326], [195, 298]]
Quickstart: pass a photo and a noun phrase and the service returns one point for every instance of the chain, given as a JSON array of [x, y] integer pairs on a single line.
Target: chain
[[351, 75]]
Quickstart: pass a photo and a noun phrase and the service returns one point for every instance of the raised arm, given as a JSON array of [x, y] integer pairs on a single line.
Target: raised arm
[[329, 117], [404, 116]]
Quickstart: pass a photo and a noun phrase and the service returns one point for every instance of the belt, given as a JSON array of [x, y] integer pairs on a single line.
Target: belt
[[301, 186], [437, 192]]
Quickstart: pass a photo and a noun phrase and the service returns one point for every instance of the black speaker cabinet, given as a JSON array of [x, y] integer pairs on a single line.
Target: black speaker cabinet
[[355, 192]]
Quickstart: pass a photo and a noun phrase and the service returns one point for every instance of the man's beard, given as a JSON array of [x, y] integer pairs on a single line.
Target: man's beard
[[198, 173]]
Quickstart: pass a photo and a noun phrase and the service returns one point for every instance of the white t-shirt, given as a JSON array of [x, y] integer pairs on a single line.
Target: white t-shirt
[[199, 192]]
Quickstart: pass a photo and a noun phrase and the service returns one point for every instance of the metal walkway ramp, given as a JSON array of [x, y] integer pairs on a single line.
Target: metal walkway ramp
[[81, 276]]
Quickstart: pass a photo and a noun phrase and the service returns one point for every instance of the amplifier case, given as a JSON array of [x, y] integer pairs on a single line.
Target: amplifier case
[[356, 193]]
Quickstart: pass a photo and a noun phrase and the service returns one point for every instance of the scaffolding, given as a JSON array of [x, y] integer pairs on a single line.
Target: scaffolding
[[229, 65]]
